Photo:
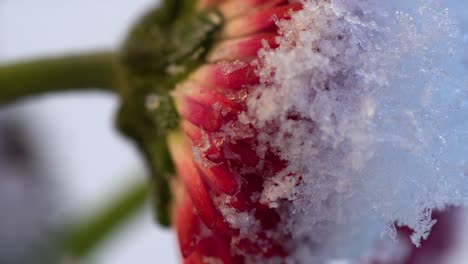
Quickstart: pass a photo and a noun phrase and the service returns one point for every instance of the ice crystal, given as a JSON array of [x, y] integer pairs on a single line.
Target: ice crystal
[[367, 103]]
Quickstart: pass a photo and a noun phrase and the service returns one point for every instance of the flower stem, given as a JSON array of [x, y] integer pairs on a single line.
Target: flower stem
[[95, 70]]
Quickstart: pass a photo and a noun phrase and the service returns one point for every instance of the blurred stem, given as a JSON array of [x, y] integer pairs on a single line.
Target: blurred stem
[[95, 70], [82, 239]]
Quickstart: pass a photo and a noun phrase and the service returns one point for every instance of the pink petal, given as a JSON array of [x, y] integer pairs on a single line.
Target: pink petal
[[188, 227], [191, 178], [235, 8], [220, 177], [226, 76], [244, 49], [264, 21]]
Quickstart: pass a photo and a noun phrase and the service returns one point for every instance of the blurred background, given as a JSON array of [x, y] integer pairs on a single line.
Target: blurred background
[[60, 157]]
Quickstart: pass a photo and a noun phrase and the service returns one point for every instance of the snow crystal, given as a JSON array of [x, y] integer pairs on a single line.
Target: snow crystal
[[367, 103], [200, 150], [244, 221], [230, 67]]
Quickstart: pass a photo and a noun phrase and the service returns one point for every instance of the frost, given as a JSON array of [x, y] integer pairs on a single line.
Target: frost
[[244, 221], [230, 67], [279, 187], [200, 151], [368, 103]]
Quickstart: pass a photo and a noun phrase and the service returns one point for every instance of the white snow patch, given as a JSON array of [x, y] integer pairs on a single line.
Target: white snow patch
[[370, 107]]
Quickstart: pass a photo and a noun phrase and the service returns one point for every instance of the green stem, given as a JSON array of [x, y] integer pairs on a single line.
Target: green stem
[[30, 78], [83, 238]]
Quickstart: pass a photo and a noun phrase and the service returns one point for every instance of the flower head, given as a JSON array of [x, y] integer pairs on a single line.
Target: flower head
[[283, 134], [218, 214]]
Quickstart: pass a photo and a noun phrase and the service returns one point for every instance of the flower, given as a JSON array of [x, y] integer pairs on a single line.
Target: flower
[[299, 130], [280, 127], [218, 173]]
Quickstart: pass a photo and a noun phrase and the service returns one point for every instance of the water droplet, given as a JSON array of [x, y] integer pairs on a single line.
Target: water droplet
[[215, 18], [153, 102], [174, 69]]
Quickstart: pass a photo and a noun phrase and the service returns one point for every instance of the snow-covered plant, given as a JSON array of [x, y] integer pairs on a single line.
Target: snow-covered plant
[[296, 131]]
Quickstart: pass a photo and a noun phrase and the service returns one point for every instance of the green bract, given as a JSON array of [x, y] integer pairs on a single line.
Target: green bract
[[161, 50]]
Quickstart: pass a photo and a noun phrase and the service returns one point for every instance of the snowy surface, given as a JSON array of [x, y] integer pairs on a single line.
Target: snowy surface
[[367, 101]]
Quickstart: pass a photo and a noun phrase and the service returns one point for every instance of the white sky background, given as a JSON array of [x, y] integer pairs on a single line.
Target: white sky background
[[90, 160]]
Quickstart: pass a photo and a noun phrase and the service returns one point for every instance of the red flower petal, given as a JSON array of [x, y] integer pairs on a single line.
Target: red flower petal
[[215, 247], [220, 177], [268, 217], [188, 227], [188, 172], [244, 49], [199, 114], [208, 95], [224, 228], [242, 153], [203, 141], [235, 8], [226, 76], [264, 21], [204, 107]]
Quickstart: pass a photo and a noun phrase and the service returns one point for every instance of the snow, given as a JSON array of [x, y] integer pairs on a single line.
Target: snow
[[367, 102]]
